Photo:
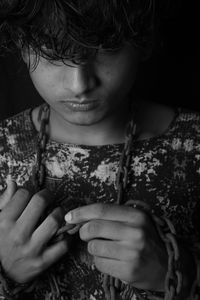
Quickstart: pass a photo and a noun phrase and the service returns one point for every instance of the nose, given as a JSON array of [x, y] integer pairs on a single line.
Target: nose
[[81, 79]]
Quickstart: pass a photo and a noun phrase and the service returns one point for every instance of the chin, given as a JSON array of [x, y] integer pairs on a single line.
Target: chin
[[83, 122], [84, 119]]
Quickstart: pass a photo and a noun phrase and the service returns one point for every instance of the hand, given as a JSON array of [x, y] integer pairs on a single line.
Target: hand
[[124, 243], [24, 237]]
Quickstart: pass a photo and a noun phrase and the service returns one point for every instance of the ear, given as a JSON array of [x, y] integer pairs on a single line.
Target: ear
[[25, 56]]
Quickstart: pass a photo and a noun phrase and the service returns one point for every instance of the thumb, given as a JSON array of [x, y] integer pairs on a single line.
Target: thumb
[[8, 193]]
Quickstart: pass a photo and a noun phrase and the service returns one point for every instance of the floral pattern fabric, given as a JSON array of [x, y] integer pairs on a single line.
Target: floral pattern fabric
[[164, 172]]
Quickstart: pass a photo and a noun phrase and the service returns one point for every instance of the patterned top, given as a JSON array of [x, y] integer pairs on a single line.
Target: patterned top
[[164, 172]]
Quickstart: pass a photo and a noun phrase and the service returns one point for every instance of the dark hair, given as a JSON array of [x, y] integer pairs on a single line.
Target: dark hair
[[74, 29]]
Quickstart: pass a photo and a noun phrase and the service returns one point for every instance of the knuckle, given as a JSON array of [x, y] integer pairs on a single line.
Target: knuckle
[[17, 238], [101, 209], [140, 235], [93, 228], [26, 251], [139, 216], [92, 248], [89, 230], [38, 266], [136, 237], [141, 240]]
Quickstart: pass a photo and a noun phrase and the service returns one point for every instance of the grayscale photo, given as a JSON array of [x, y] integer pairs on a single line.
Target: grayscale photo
[[99, 150]]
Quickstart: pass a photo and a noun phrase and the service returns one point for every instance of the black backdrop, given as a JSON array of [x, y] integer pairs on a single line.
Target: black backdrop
[[171, 76]]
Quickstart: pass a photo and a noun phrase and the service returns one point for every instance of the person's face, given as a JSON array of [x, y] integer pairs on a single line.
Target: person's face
[[86, 94]]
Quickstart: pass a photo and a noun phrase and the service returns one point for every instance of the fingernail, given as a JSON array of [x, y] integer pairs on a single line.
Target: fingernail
[[68, 217]]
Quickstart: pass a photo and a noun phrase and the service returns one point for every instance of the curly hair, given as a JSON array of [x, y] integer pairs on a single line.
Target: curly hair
[[74, 29]]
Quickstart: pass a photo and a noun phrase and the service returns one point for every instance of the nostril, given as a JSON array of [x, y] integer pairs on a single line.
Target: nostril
[[83, 81]]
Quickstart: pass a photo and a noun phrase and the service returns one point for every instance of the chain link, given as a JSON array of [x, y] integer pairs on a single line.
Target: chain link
[[166, 231], [39, 171]]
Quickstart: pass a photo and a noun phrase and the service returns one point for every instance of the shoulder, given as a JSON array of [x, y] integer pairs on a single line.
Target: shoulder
[[173, 127], [183, 135], [188, 115], [17, 142], [157, 120], [187, 122], [16, 131]]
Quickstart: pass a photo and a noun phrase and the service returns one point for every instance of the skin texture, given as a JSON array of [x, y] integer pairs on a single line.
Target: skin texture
[[122, 240], [125, 252], [24, 248], [108, 79], [124, 243]]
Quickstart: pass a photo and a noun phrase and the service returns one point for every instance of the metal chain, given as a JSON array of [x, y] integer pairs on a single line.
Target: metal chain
[[124, 164], [39, 171], [110, 284], [166, 231]]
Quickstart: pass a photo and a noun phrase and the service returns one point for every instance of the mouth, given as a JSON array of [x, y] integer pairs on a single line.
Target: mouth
[[82, 105]]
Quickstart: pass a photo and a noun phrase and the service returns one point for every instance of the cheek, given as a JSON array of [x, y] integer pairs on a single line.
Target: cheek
[[121, 74], [44, 83], [120, 80]]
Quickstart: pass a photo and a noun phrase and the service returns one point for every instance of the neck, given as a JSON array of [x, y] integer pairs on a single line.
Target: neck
[[110, 130]]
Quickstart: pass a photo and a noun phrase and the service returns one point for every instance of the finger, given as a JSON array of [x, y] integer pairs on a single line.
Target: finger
[[16, 205], [44, 233], [112, 250], [115, 268], [112, 230], [8, 193], [33, 212], [53, 253], [46, 259], [106, 212]]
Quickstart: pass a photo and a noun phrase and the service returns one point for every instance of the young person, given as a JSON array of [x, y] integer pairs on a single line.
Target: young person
[[99, 188]]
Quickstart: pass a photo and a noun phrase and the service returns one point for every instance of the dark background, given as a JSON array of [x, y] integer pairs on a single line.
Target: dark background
[[171, 76]]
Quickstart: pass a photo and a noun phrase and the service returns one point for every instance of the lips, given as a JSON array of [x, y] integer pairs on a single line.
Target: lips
[[84, 105]]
